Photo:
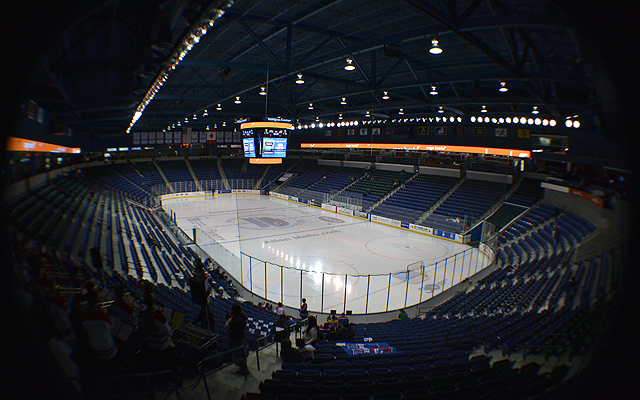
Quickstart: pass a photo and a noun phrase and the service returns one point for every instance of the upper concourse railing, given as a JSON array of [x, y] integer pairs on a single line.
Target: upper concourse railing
[[289, 280]]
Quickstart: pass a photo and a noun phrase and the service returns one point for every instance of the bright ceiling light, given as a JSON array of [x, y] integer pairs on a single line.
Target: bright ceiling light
[[440, 110], [486, 120], [367, 113], [401, 112], [263, 92], [205, 113], [501, 120], [435, 49], [195, 117], [523, 120], [507, 120], [451, 119], [349, 66], [503, 86], [535, 110], [576, 124], [552, 122], [494, 120], [237, 100], [537, 121], [568, 123], [385, 96], [473, 119], [484, 109], [530, 121], [339, 116], [299, 81], [459, 119], [545, 122], [310, 106], [219, 108], [433, 91], [344, 101]]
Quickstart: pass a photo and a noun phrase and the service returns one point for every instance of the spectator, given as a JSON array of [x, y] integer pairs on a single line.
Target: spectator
[[97, 323], [311, 331], [346, 333], [303, 309], [343, 318], [307, 350], [280, 309], [332, 335], [402, 314], [155, 329], [236, 328], [122, 310], [281, 329], [59, 311], [290, 354]]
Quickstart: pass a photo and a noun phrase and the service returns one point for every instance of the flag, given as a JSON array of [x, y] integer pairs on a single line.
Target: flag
[[363, 131], [144, 138], [204, 136], [441, 130], [211, 137], [159, 137], [168, 138], [501, 132], [375, 131], [236, 137], [523, 133], [152, 138], [351, 132], [423, 130], [327, 132], [177, 137], [136, 137]]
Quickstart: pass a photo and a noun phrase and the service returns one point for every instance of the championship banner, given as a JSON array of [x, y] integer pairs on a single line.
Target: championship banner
[[228, 137], [390, 131], [236, 137], [219, 137], [144, 138], [177, 137], [375, 131], [327, 132], [478, 131], [363, 131], [168, 137], [152, 138], [203, 137], [423, 130], [441, 130], [501, 132], [159, 137], [458, 130], [136, 137], [351, 132], [523, 133]]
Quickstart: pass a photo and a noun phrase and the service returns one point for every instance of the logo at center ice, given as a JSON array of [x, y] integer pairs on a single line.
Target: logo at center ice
[[267, 222], [330, 219]]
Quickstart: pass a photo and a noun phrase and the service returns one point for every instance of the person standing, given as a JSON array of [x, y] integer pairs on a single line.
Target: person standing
[[402, 314], [236, 327], [304, 313]]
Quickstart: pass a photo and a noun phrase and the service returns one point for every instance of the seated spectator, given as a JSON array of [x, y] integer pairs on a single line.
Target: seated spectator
[[346, 333], [97, 323], [307, 350], [332, 335], [268, 307], [280, 309], [155, 329], [343, 318], [60, 311], [122, 310], [290, 354], [402, 314], [260, 305]]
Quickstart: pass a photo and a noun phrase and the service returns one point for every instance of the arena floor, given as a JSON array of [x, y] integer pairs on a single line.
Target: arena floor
[[318, 248]]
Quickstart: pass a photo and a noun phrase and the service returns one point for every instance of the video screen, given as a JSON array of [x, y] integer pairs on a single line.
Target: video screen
[[249, 147], [274, 147]]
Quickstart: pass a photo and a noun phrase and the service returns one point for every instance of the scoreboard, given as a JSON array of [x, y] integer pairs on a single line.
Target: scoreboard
[[265, 140]]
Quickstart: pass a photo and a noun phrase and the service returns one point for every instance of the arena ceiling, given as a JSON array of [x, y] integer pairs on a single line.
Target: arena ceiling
[[96, 71]]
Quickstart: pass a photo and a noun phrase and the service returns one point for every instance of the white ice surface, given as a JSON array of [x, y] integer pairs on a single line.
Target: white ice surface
[[324, 246]]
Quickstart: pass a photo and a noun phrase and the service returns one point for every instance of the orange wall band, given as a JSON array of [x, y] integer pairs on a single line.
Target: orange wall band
[[422, 147], [266, 124], [19, 144], [265, 161]]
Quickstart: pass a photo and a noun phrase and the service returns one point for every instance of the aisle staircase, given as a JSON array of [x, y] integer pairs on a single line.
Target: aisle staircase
[[440, 201]]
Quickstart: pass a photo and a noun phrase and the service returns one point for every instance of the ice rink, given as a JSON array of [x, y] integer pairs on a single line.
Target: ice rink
[[332, 258]]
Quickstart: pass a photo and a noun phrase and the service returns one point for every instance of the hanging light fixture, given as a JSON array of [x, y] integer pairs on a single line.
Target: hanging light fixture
[[433, 91], [344, 101], [237, 100], [367, 114], [195, 117], [385, 96], [401, 112], [224, 123], [339, 116], [263, 92], [503, 87], [349, 66], [435, 49], [205, 113], [535, 110], [310, 106], [300, 81], [219, 108], [440, 110], [484, 109]]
